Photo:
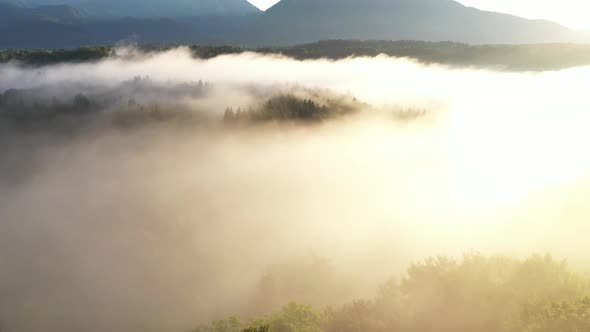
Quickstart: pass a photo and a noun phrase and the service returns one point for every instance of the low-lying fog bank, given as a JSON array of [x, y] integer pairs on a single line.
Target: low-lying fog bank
[[160, 222]]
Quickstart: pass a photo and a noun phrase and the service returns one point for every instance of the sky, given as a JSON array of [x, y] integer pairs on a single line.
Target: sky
[[571, 13]]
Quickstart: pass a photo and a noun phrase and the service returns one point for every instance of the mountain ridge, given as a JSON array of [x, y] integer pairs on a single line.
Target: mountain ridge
[[304, 21], [289, 22], [13, 13], [155, 8]]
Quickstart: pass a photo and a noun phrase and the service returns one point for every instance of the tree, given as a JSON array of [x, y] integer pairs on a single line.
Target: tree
[[258, 328], [564, 316], [229, 115], [297, 318]]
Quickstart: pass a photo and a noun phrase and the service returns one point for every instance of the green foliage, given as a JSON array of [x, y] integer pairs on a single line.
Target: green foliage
[[481, 293], [292, 318], [474, 293], [564, 316], [297, 318]]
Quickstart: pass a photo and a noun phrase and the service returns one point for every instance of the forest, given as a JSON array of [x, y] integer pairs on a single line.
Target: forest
[[30, 109], [473, 293], [534, 57], [45, 109]]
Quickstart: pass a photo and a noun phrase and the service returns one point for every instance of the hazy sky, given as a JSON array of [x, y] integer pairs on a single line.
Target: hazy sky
[[573, 13]]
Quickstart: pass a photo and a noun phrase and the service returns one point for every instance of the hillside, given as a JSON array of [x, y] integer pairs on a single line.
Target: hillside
[[157, 8], [290, 22], [14, 14], [47, 34], [65, 26], [15, 3], [534, 57], [302, 21]]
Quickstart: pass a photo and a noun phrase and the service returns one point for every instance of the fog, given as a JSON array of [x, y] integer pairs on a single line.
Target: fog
[[163, 226]]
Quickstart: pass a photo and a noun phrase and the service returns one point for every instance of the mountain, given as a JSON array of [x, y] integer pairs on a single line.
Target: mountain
[[63, 26], [12, 14], [43, 24], [157, 8], [14, 3], [47, 34], [302, 21]]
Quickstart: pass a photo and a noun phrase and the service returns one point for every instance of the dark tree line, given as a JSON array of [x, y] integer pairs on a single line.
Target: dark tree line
[[506, 57], [288, 107], [47, 57], [132, 102]]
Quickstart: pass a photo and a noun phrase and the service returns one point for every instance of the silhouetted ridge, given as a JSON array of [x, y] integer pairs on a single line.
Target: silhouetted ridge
[[300, 21]]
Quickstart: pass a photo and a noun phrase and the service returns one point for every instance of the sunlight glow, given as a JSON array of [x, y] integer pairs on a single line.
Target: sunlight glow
[[571, 13]]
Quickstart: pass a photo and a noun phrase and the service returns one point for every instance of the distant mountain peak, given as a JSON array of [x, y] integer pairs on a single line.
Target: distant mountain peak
[[301, 21], [13, 3], [157, 8], [49, 12]]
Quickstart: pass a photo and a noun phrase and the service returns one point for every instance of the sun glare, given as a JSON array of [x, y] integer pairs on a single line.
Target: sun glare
[[572, 13]]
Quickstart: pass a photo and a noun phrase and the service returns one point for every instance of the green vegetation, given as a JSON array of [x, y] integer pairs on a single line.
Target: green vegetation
[[292, 108], [508, 57], [208, 52], [31, 108], [505, 57], [293, 317], [47, 57], [555, 316], [476, 293]]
